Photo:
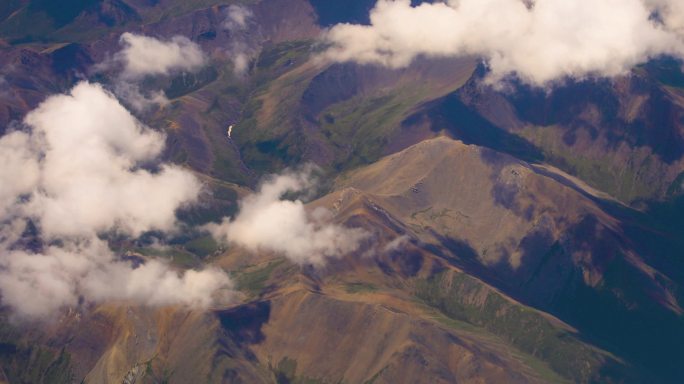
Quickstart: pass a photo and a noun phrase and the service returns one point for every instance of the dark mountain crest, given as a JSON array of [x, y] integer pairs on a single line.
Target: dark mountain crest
[[109, 12]]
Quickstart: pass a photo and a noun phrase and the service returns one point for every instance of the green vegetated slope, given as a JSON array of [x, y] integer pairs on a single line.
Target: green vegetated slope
[[637, 177], [267, 132], [460, 297], [341, 116]]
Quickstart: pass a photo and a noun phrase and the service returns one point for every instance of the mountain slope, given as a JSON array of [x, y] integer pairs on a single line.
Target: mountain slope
[[539, 240]]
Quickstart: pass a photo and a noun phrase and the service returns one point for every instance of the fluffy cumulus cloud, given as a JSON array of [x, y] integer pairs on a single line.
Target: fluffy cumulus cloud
[[539, 41], [84, 168], [144, 55], [268, 222], [91, 150]]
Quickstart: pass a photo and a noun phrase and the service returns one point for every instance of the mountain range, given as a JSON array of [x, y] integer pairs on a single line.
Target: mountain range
[[492, 234]]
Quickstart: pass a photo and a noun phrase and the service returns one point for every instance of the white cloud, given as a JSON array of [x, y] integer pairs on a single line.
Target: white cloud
[[19, 171], [78, 174], [540, 43], [91, 150], [237, 17], [267, 222], [143, 55]]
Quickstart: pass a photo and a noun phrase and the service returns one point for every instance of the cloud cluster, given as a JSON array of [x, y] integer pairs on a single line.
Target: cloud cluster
[[268, 222], [539, 41], [87, 167]]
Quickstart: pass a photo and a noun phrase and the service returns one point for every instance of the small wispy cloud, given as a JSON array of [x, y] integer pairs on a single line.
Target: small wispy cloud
[[237, 17], [4, 86], [397, 244], [241, 52]]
